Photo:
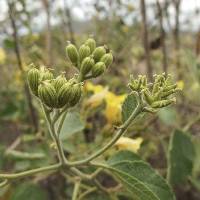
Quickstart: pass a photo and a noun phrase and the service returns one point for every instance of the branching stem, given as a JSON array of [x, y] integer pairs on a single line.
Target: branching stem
[[30, 172], [76, 189], [120, 132]]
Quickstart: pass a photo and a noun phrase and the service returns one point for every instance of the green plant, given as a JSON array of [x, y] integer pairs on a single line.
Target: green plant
[[58, 95]]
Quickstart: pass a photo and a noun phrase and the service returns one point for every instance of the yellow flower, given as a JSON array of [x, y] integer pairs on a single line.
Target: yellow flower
[[2, 56], [180, 84], [113, 102], [113, 107], [126, 143], [93, 88], [97, 99]]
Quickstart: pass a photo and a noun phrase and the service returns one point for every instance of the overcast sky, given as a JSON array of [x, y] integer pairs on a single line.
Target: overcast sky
[[79, 12]]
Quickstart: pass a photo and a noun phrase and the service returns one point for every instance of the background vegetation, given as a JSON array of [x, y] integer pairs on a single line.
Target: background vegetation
[[146, 37]]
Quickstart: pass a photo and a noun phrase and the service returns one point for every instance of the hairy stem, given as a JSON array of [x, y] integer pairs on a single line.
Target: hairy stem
[[87, 192], [4, 183], [54, 136], [76, 190], [61, 123], [30, 172]]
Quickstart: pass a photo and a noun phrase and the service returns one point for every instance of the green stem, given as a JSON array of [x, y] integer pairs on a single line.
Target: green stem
[[3, 183], [87, 192], [30, 172], [58, 114], [61, 123], [55, 137], [193, 121], [76, 190], [120, 132], [80, 174]]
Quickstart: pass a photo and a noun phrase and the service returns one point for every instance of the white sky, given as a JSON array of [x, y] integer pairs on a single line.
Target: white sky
[[187, 9]]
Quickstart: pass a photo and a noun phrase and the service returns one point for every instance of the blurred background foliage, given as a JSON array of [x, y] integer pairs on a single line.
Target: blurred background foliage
[[146, 37]]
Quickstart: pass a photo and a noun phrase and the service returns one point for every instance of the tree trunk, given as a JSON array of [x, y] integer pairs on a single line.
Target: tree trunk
[[177, 37], [146, 40], [32, 111], [163, 36], [69, 22], [48, 38]]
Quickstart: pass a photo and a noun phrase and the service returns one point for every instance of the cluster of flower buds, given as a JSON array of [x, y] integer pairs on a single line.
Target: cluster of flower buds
[[157, 94], [53, 92], [89, 59]]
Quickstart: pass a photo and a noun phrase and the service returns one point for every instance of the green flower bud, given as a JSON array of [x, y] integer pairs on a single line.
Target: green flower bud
[[159, 80], [144, 81], [59, 82], [33, 77], [156, 87], [147, 96], [157, 96], [98, 69], [91, 44], [86, 65], [47, 94], [76, 94], [168, 80], [170, 87], [150, 110], [98, 53], [107, 59], [163, 103], [140, 81], [167, 93], [64, 94], [72, 53], [47, 76], [84, 51]]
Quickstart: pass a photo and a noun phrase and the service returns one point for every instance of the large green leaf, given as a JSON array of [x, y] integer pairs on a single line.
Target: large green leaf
[[139, 178], [196, 168], [28, 191], [168, 116], [180, 157], [124, 155], [128, 106], [72, 124]]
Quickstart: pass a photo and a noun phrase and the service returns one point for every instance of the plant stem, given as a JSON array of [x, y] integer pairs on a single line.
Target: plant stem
[[58, 114], [61, 123], [3, 183], [54, 136], [120, 132], [193, 121], [87, 192], [30, 172], [76, 190]]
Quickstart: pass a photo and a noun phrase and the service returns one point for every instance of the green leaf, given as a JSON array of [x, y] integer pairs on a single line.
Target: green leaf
[[167, 116], [196, 168], [28, 191], [180, 157], [72, 124], [124, 155], [128, 106], [139, 178]]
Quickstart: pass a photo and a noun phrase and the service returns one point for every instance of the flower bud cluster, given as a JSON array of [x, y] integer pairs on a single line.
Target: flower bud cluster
[[53, 92], [155, 95], [89, 59]]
